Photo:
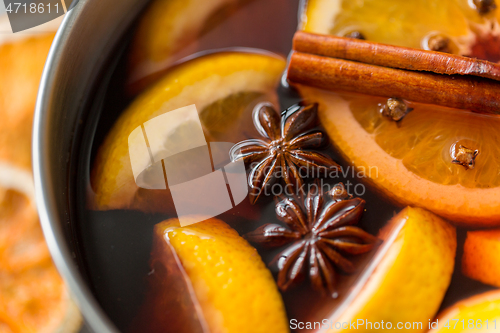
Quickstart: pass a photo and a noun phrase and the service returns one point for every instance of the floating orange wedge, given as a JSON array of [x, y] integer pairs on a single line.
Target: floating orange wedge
[[406, 280], [412, 160], [481, 258], [479, 313], [221, 85], [206, 278]]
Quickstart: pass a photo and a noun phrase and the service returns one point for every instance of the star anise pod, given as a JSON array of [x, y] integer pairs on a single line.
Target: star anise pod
[[320, 236], [284, 150]]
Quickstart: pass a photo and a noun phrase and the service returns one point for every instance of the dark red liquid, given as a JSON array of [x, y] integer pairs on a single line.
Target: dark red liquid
[[115, 245]]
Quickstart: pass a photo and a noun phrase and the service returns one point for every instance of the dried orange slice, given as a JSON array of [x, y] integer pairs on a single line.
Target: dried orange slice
[[481, 256], [411, 161], [21, 65], [408, 277], [220, 280], [221, 85], [479, 313], [33, 297]]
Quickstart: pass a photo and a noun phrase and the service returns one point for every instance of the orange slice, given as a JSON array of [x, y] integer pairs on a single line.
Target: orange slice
[[222, 283], [404, 23], [169, 26], [406, 280], [479, 313], [412, 161], [221, 85], [33, 297], [481, 258]]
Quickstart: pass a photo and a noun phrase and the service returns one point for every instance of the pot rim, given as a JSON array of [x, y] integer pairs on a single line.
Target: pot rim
[[44, 188]]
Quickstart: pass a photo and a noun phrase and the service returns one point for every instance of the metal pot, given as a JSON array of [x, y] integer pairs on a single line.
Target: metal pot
[[84, 43]]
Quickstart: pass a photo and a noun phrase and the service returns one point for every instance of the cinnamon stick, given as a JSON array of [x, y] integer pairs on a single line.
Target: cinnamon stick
[[462, 92], [393, 56]]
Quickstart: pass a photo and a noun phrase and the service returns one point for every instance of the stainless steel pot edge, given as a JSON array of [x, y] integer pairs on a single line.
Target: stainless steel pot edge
[[44, 190], [85, 21]]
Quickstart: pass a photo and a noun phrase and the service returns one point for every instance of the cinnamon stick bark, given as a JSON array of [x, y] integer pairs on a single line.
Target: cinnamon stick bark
[[462, 92], [393, 56]]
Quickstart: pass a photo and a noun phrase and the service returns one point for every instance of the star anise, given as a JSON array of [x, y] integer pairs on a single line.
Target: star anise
[[284, 151], [320, 238]]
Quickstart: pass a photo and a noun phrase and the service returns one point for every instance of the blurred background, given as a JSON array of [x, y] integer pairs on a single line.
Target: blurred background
[[33, 297]]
